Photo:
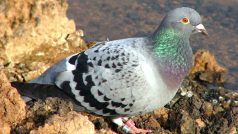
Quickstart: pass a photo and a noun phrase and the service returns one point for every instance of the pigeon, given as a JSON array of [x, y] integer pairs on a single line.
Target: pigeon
[[126, 77]]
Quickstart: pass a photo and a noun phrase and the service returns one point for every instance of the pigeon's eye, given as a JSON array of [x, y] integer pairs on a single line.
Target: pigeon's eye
[[184, 20]]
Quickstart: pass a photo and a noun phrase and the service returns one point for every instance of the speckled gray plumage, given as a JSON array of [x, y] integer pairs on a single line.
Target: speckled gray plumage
[[108, 78], [123, 77]]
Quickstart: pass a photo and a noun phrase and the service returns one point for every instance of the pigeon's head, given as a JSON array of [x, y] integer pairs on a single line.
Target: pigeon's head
[[184, 19]]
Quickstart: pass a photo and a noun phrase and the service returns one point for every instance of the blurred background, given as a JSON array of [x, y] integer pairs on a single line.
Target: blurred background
[[114, 19]]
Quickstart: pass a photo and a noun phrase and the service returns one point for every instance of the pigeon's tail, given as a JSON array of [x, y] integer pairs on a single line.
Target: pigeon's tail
[[42, 91]]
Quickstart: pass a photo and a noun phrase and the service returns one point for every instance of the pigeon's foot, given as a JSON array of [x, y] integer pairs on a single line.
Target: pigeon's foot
[[128, 126]]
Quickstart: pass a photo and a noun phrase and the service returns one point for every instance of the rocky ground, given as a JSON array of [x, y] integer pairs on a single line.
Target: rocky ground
[[33, 40]]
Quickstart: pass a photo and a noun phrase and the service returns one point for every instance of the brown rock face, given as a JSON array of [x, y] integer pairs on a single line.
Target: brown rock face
[[12, 107], [207, 68], [72, 123], [27, 24], [34, 35], [4, 128]]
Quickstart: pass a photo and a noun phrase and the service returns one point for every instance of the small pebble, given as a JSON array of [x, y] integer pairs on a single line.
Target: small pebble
[[183, 93], [200, 123], [189, 94], [235, 103], [218, 109], [221, 98], [226, 104], [208, 108], [214, 101]]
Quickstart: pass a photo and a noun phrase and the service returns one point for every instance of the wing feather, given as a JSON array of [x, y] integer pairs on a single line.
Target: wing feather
[[107, 76]]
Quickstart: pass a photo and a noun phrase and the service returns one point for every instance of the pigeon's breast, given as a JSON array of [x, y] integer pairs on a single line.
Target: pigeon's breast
[[157, 93]]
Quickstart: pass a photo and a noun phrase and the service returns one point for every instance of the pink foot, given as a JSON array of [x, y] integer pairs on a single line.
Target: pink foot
[[130, 127]]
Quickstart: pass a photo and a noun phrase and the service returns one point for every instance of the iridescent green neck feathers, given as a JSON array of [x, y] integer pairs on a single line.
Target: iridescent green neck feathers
[[173, 54], [166, 43]]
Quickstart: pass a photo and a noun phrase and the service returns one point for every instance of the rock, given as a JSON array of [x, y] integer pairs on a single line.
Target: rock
[[226, 104], [205, 61], [98, 122], [207, 108], [207, 68], [74, 39], [35, 33], [233, 130], [71, 123], [26, 25], [103, 131], [36, 63], [187, 123], [40, 111], [12, 107], [162, 115], [4, 128], [49, 107], [217, 109], [146, 121], [31, 74], [200, 123]]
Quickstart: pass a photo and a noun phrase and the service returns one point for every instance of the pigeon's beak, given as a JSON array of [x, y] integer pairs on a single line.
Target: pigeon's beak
[[201, 29]]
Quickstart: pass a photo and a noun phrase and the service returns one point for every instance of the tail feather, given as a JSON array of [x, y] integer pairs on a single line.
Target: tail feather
[[42, 91]]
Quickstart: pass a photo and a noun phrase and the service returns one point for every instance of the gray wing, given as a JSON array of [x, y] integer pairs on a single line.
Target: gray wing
[[107, 77]]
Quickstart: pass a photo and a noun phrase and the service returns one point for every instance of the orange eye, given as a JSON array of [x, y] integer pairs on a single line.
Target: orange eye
[[184, 20]]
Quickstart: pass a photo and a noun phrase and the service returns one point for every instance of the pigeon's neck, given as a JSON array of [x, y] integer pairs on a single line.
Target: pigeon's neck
[[173, 55]]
